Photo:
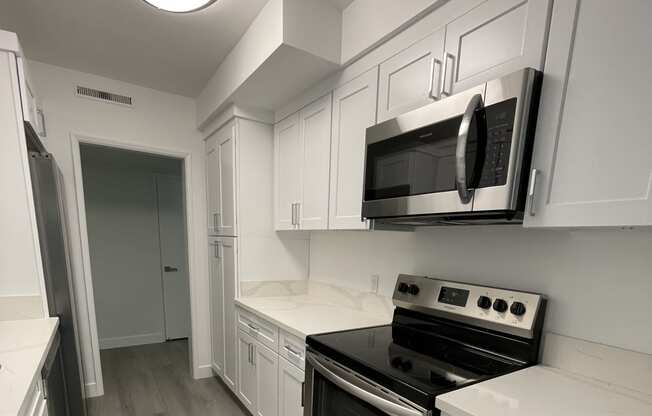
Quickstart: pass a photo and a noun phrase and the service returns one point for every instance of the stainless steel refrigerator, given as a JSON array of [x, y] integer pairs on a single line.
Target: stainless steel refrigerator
[[47, 187]]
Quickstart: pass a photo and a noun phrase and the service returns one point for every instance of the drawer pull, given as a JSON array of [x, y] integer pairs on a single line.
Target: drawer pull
[[294, 352]]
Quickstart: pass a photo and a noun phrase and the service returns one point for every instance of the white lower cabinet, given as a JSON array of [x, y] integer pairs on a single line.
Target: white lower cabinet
[[216, 290], [290, 389], [270, 382], [228, 261], [257, 376], [266, 364]]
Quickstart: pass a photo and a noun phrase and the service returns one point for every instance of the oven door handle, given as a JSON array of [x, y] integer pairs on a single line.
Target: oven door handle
[[380, 403], [460, 154]]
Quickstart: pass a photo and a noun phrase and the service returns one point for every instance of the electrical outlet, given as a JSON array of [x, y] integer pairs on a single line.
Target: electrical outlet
[[375, 282]]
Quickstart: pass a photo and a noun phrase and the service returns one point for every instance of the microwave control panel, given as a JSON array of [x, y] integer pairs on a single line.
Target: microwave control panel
[[499, 120]]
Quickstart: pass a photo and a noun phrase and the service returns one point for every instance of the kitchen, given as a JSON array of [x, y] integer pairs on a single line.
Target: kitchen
[[333, 153]]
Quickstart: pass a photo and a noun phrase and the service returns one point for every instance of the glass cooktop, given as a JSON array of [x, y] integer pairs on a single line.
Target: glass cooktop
[[415, 364]]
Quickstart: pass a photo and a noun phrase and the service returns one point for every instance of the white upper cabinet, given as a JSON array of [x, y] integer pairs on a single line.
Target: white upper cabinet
[[411, 78], [287, 172], [593, 152], [220, 181], [216, 284], [496, 38], [290, 389], [354, 109], [315, 127]]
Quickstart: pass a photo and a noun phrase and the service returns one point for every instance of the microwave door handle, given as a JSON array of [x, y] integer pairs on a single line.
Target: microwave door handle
[[463, 191], [380, 403]]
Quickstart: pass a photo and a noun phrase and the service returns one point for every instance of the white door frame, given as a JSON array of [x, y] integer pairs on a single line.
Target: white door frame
[[77, 139]]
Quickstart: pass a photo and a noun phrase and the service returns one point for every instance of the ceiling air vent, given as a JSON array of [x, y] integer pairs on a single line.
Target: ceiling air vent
[[104, 96]]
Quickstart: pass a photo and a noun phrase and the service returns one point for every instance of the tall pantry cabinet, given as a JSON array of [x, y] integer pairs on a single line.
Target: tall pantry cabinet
[[242, 244]]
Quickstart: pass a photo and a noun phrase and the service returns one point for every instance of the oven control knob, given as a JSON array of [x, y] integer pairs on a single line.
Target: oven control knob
[[517, 309], [403, 287], [500, 305], [484, 302], [413, 290]]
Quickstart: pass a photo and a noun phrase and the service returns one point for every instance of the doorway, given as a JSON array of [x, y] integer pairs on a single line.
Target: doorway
[[137, 238]]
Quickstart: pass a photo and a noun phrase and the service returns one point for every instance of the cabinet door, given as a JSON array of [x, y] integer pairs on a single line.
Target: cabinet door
[[354, 109], [227, 196], [411, 78], [266, 364], [247, 383], [287, 172], [290, 389], [216, 305], [229, 276], [315, 128], [593, 151], [496, 38], [212, 184]]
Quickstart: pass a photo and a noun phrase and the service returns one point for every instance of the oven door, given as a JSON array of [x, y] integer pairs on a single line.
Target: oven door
[[333, 390], [427, 161]]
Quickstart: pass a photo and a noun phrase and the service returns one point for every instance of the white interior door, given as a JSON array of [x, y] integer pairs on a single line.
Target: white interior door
[[174, 259]]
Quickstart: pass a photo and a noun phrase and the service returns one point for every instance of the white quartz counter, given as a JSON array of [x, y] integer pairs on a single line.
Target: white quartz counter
[[316, 308], [542, 391], [23, 348]]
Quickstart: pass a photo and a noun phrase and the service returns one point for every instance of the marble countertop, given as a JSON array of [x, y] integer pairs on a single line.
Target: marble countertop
[[542, 391], [316, 308], [23, 348]]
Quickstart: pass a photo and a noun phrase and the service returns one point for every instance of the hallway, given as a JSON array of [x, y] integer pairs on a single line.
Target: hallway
[[154, 379]]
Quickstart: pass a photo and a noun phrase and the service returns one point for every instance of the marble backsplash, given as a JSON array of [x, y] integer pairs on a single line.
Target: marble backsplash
[[325, 293], [20, 307]]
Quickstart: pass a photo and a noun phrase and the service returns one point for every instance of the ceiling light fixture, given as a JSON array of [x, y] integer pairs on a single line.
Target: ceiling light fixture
[[180, 6]]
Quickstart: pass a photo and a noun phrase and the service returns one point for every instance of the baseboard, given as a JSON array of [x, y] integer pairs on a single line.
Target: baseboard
[[203, 371], [92, 390], [131, 340]]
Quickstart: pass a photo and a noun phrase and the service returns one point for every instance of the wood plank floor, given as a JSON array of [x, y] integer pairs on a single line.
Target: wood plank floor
[[155, 379]]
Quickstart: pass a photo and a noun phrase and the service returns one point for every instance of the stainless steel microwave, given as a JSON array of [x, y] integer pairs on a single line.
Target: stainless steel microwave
[[461, 160]]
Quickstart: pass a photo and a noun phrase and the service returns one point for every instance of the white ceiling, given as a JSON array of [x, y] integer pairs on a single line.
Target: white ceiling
[[131, 41]]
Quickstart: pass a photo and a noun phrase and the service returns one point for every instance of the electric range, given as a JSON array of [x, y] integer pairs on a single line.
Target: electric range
[[444, 335]]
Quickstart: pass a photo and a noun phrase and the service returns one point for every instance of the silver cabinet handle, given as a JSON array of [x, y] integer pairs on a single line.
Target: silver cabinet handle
[[293, 214], [460, 154], [216, 222], [386, 406], [253, 355], [249, 353], [298, 214], [434, 93], [531, 192], [292, 351], [447, 91], [41, 115], [253, 327]]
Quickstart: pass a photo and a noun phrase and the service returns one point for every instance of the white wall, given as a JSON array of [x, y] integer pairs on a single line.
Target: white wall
[[160, 120], [598, 281], [123, 235]]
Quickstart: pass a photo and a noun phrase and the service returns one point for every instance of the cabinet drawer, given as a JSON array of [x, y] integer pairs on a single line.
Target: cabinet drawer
[[259, 329], [293, 349]]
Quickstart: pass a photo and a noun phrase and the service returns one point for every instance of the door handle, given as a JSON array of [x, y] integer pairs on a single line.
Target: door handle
[[460, 154], [431, 88], [531, 191], [444, 91], [170, 269]]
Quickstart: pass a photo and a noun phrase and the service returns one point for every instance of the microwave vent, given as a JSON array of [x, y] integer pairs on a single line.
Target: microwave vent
[[104, 96]]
